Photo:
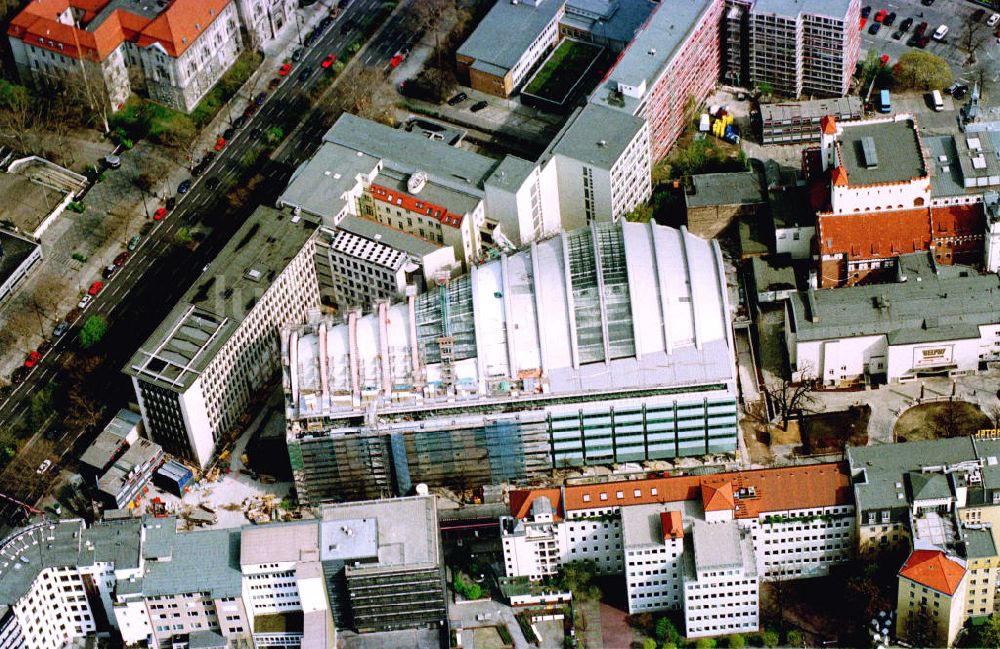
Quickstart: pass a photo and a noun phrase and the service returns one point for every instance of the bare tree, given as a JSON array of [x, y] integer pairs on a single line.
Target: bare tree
[[83, 409], [788, 397], [973, 36], [994, 415], [365, 92]]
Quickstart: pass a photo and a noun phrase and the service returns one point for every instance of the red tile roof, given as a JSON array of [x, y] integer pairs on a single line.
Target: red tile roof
[[873, 235], [773, 490], [413, 204], [828, 124], [934, 569], [716, 498], [958, 220], [175, 28], [839, 177], [672, 524]]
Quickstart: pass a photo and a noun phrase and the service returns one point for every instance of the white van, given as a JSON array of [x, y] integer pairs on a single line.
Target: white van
[[940, 32], [937, 101]]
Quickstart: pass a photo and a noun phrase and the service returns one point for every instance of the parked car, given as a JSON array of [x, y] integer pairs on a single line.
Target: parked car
[[60, 329], [478, 106], [199, 169], [328, 61], [108, 271], [326, 22], [260, 99], [398, 58], [160, 214], [84, 301], [993, 20], [33, 359], [95, 288], [940, 32], [209, 157], [112, 161], [960, 92], [905, 25], [298, 54], [273, 84], [184, 186], [19, 374], [43, 467], [880, 15], [220, 144], [866, 11], [121, 259], [874, 28], [304, 75], [133, 243], [212, 183], [229, 133], [927, 3], [284, 70], [921, 28], [239, 122], [896, 35], [255, 133], [458, 99], [889, 20]]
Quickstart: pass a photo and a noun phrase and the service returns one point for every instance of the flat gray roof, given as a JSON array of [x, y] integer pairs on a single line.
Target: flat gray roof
[[946, 171], [141, 453], [16, 250], [612, 20], [407, 529], [790, 207], [717, 545], [597, 135], [211, 311], [510, 174], [830, 8], [111, 438], [978, 542], [506, 32], [879, 472], [319, 185], [350, 539], [206, 561], [725, 189], [279, 543], [770, 276], [653, 48], [926, 307], [813, 110], [454, 200], [897, 146]]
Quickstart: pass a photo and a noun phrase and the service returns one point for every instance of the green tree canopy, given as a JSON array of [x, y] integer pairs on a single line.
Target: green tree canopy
[[921, 71], [649, 643], [93, 331], [794, 638], [705, 643], [665, 630], [770, 638], [736, 641]]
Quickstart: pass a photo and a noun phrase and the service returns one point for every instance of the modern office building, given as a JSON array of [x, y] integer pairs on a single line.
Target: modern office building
[[793, 122], [697, 543], [176, 51], [603, 345], [507, 43], [674, 59], [798, 47], [602, 162], [196, 374], [368, 262], [934, 321]]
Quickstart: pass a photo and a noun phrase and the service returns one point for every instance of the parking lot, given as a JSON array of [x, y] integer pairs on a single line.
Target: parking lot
[[955, 14]]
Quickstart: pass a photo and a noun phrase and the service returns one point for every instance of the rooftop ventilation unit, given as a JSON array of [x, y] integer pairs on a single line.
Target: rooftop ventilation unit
[[253, 275]]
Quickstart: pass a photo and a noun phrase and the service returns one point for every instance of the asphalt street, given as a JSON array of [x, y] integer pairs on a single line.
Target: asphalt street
[[140, 294]]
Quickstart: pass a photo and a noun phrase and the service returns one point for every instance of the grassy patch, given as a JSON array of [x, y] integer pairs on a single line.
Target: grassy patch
[[939, 419], [563, 70]]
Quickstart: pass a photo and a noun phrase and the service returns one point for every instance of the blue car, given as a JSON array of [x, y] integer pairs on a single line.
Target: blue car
[[183, 187]]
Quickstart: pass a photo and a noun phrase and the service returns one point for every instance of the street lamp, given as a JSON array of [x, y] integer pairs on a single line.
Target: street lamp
[[298, 26]]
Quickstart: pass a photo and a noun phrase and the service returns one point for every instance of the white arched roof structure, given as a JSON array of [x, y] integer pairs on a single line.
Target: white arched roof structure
[[609, 308]]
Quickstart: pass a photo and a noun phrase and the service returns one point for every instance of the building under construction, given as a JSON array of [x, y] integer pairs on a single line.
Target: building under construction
[[598, 346]]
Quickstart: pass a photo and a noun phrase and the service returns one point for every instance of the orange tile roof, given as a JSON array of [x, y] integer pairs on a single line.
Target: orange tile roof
[[774, 490], [873, 235], [934, 569], [672, 524], [717, 498], [828, 124], [175, 28], [958, 220], [839, 177], [414, 204]]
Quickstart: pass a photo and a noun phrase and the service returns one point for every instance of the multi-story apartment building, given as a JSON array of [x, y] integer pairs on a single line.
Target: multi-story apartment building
[[199, 370], [771, 524], [673, 60], [603, 345], [369, 262], [265, 20], [176, 51], [602, 161], [425, 188], [792, 122], [799, 47], [509, 41], [941, 499]]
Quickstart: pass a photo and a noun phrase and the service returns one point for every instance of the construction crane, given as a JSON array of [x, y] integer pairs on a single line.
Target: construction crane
[[27, 508]]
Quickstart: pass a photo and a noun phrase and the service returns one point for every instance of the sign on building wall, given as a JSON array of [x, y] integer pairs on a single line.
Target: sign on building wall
[[933, 356]]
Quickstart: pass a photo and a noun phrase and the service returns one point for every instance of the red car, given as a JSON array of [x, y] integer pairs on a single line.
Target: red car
[[328, 61], [880, 16], [285, 69], [95, 288], [884, 60], [123, 257], [396, 60], [862, 25], [220, 144], [157, 216], [33, 358]]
